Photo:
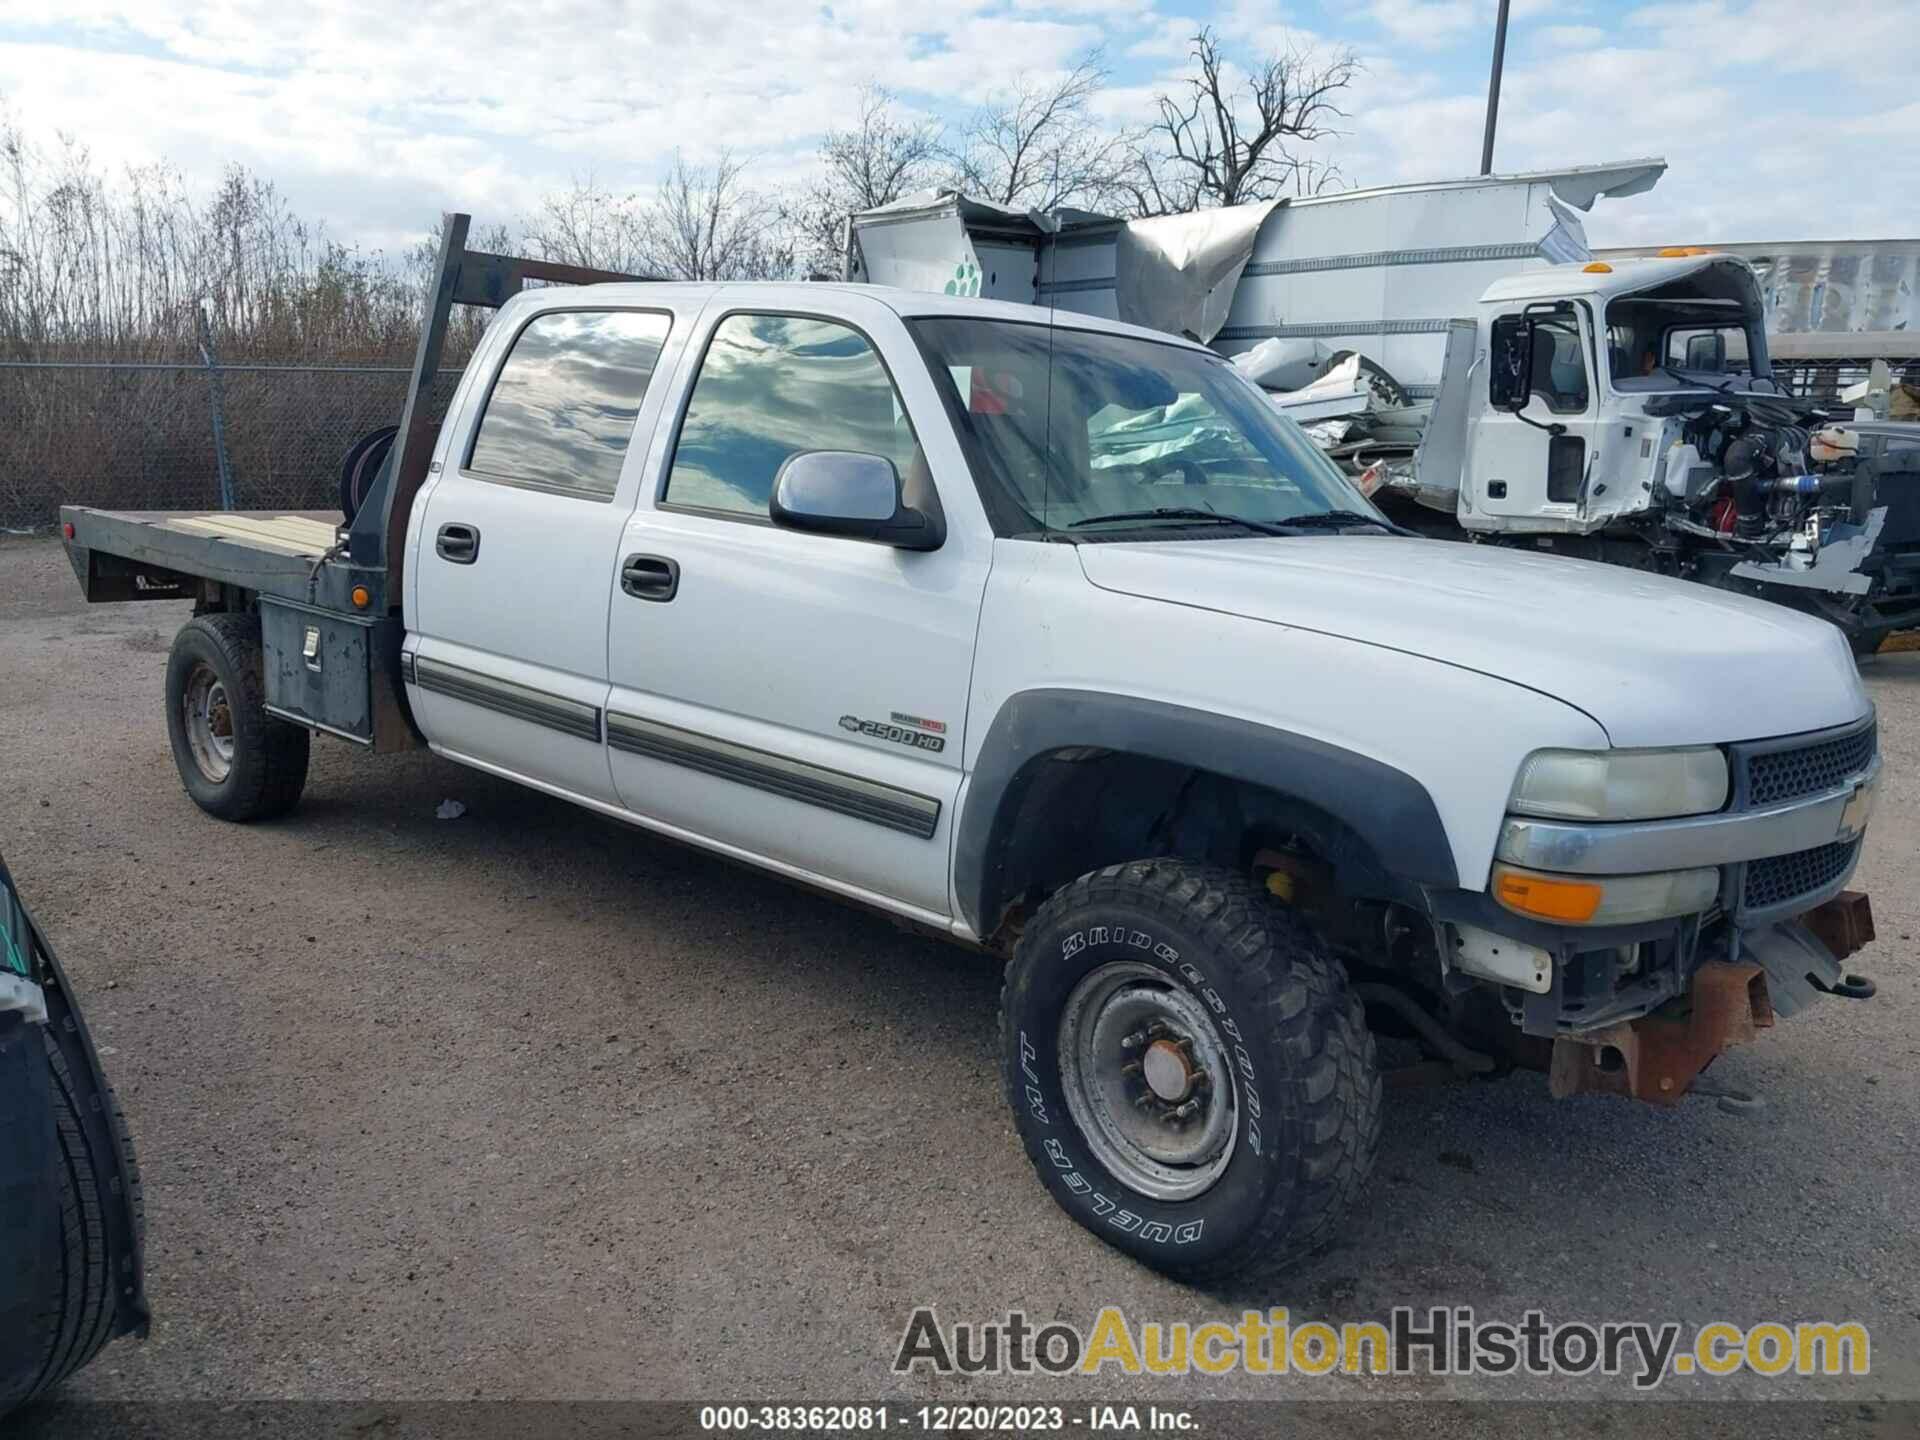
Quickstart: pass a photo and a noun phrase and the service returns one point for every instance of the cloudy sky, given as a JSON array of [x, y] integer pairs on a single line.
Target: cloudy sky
[[375, 114]]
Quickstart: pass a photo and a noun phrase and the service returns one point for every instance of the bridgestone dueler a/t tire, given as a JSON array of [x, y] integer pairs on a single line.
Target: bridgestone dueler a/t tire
[[1308, 1087], [269, 768]]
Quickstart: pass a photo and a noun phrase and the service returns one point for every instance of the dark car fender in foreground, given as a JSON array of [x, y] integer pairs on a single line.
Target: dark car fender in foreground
[[71, 1217]]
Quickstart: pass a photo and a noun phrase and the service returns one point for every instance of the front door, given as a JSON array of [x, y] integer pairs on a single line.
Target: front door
[[1518, 466], [797, 697]]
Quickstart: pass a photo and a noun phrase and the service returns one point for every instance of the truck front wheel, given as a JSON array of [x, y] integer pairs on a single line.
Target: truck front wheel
[[237, 761], [1188, 1069]]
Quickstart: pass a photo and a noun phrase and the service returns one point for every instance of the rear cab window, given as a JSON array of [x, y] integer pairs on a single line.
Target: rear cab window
[[562, 408]]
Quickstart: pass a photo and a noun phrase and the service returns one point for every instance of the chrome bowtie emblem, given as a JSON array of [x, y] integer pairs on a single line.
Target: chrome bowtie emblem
[[1859, 807]]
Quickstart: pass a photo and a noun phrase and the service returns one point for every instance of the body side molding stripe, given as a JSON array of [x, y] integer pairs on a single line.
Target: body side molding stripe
[[835, 790], [522, 702]]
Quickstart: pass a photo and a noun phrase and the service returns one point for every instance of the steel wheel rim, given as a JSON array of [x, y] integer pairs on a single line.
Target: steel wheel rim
[[1147, 1082], [208, 718]]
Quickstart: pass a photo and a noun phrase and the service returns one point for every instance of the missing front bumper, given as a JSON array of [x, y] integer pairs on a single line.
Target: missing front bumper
[[1658, 1057], [1776, 971]]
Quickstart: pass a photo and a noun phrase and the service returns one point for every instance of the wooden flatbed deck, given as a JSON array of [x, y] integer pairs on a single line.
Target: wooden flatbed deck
[[308, 534], [156, 554]]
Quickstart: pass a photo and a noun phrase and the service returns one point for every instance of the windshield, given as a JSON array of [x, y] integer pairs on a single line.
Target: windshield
[[1076, 429], [1651, 344]]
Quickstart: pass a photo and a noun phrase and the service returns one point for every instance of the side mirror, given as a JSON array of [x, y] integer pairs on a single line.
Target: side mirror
[[1707, 352], [845, 492], [1510, 363]]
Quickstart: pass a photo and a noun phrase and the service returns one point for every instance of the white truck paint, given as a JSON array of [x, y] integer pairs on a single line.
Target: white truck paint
[[772, 637]]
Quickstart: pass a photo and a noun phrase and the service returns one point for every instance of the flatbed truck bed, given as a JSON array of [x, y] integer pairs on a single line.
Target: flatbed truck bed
[[330, 643]]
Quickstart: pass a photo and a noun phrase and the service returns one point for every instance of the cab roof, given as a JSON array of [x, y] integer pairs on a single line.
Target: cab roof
[[814, 294], [1622, 277]]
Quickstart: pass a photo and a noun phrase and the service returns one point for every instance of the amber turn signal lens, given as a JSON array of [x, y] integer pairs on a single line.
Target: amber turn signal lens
[[1547, 898], [362, 597], [1598, 267]]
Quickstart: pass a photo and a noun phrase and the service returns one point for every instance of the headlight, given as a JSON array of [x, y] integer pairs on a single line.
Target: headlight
[[1621, 784], [1604, 899]]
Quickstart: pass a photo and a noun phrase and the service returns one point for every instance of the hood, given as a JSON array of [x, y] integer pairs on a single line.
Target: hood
[[1654, 661]]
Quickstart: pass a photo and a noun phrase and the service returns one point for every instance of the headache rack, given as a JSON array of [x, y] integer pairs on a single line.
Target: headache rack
[[328, 590]]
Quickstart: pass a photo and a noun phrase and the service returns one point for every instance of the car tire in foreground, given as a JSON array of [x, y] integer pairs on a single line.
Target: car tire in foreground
[[62, 1300]]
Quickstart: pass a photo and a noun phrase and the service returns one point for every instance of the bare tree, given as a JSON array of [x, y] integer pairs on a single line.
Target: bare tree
[[1038, 144], [96, 263], [586, 224], [706, 224], [881, 157], [1230, 137]]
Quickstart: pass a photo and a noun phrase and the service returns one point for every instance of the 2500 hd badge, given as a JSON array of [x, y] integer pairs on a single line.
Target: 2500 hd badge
[[901, 730]]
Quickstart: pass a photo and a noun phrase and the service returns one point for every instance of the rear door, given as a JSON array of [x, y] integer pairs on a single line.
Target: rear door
[[518, 537], [799, 697]]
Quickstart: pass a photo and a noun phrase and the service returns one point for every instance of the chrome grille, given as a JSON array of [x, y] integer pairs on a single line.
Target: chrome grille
[[1775, 776], [1781, 878]]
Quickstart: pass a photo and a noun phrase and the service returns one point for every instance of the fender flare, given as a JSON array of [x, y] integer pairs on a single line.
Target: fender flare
[[1386, 807]]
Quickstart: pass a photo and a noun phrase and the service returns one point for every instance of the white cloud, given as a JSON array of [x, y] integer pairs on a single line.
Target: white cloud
[[1567, 37], [374, 113], [1426, 22], [1168, 38], [1743, 165], [364, 104]]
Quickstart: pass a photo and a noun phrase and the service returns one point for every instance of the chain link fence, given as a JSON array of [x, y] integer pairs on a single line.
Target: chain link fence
[[130, 435]]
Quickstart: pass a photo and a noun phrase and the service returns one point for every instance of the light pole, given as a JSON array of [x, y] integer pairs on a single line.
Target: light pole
[[1493, 89]]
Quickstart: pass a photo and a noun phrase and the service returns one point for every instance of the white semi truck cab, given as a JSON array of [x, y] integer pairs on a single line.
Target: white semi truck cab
[[1626, 411], [1055, 637]]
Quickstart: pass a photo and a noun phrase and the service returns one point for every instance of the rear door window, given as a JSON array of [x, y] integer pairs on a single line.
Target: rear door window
[[563, 406]]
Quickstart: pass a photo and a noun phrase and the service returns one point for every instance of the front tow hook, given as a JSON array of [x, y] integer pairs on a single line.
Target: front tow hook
[[1848, 987]]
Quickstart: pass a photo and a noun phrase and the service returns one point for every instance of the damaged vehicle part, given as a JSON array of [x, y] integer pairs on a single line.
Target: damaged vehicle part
[[1508, 388]]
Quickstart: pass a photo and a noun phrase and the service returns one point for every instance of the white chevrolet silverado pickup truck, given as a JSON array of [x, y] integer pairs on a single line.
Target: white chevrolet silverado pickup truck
[[937, 604]]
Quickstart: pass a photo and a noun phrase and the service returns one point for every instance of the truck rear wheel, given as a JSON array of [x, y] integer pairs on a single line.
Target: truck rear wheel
[[237, 761], [1188, 1069]]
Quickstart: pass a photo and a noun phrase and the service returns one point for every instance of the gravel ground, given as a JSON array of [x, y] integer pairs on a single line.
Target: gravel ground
[[531, 1105]]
